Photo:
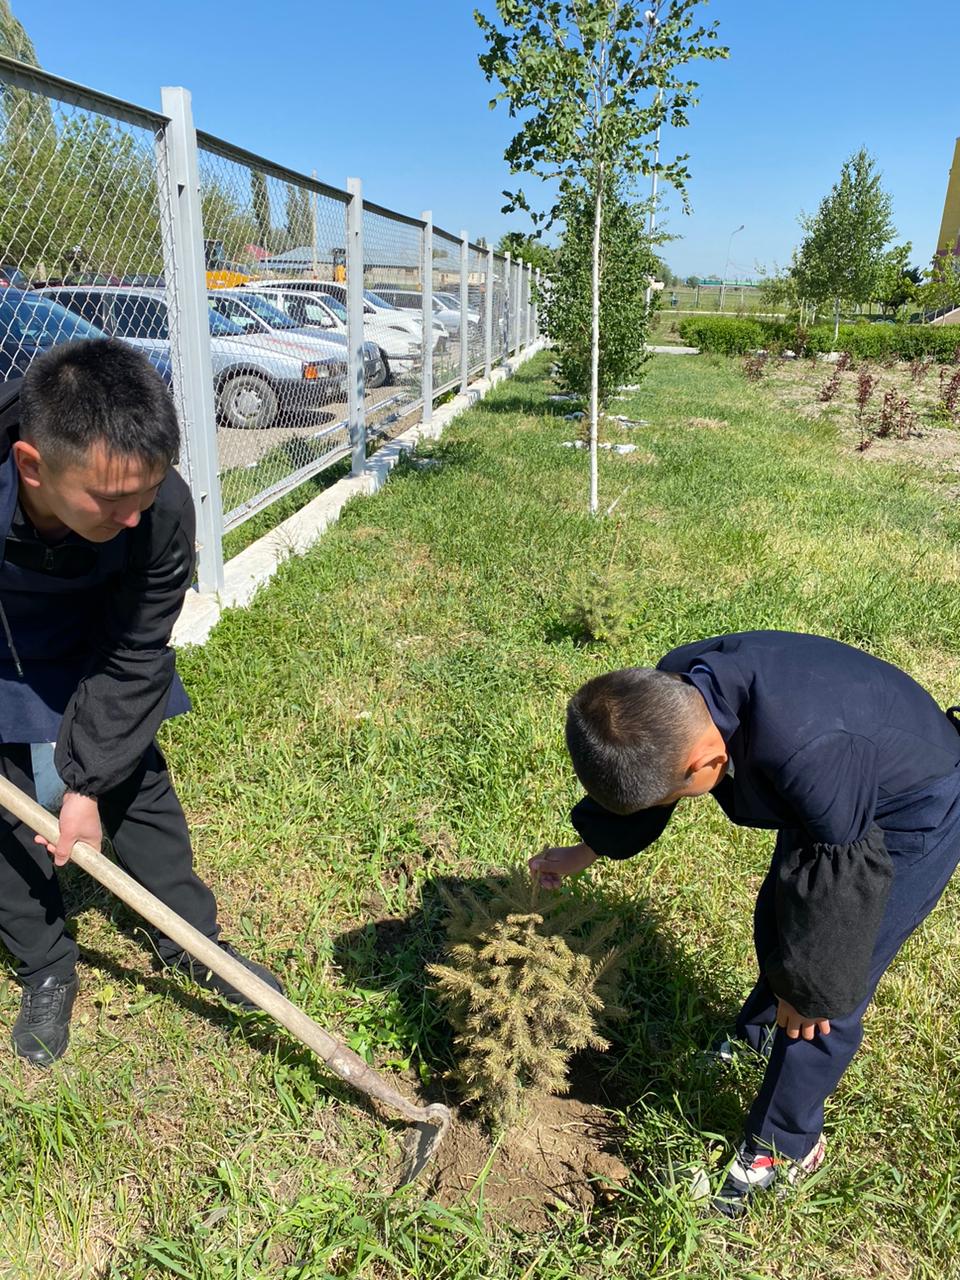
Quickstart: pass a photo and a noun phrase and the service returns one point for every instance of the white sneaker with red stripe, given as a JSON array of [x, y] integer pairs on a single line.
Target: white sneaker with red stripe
[[753, 1171]]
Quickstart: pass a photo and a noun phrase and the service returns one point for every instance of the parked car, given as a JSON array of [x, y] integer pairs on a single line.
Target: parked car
[[31, 324], [12, 276], [447, 314], [254, 313], [141, 281], [257, 377], [373, 305], [396, 343]]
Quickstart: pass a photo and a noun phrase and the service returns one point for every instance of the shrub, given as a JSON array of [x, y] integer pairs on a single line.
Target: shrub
[[731, 336], [723, 335], [754, 365]]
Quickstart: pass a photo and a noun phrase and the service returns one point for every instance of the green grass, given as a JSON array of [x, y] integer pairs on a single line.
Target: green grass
[[389, 713]]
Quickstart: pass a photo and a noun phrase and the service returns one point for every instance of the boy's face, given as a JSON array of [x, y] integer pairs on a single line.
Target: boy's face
[[96, 498]]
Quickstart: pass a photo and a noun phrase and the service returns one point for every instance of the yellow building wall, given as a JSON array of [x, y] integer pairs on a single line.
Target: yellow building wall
[[950, 226]]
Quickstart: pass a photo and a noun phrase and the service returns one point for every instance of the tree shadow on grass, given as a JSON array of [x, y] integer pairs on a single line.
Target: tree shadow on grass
[[673, 1008], [529, 404]]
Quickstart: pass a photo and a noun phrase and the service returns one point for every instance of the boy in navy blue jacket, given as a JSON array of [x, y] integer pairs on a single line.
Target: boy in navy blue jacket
[[856, 768]]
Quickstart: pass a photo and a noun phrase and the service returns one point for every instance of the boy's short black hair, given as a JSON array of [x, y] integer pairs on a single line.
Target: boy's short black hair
[[627, 733], [80, 394]]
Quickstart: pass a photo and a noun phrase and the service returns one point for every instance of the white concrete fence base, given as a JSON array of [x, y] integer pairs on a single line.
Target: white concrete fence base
[[247, 572]]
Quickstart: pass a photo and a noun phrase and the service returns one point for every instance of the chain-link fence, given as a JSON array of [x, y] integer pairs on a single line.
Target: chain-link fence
[[295, 323], [446, 302]]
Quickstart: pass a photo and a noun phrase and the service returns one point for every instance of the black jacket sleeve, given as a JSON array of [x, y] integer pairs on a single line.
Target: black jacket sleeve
[[833, 876], [117, 708], [613, 835]]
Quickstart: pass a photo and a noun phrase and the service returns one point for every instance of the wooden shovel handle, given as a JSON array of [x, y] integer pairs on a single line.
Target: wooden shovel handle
[[341, 1060]]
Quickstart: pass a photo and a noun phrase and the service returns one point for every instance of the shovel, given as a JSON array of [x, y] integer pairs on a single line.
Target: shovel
[[431, 1122]]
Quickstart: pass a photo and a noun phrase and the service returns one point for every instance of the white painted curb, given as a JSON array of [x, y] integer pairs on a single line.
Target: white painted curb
[[256, 564]]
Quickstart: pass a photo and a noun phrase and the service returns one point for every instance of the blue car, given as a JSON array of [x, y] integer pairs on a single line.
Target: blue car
[[31, 324]]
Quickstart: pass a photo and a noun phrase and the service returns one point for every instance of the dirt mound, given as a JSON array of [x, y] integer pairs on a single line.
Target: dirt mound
[[560, 1153]]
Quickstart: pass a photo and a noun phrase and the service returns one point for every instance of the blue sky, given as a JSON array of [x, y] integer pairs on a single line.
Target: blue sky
[[390, 90]]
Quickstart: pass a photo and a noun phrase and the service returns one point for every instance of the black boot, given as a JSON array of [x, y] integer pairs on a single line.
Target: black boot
[[42, 1031], [198, 972]]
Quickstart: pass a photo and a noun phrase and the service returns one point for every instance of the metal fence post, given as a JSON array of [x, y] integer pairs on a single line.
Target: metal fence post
[[426, 284], [519, 286], [508, 302], [178, 181], [464, 311], [524, 327], [356, 382], [536, 305], [530, 333], [488, 292]]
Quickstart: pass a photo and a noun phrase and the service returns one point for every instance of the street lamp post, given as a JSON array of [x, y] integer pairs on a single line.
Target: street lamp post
[[723, 282]]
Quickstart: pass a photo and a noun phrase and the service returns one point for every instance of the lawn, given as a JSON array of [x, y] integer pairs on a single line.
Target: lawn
[[388, 714]]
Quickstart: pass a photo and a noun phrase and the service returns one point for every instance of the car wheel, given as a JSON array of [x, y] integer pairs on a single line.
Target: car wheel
[[248, 402], [387, 374]]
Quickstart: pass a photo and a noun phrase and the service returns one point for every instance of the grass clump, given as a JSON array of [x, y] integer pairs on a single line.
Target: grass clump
[[524, 989]]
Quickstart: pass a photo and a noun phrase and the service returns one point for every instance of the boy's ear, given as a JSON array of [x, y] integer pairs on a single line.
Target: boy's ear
[[27, 461], [705, 753]]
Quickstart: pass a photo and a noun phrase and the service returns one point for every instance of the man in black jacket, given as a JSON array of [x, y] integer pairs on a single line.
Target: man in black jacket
[[856, 768], [96, 556]]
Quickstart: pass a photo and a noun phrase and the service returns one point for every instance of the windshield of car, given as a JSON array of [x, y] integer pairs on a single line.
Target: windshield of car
[[378, 301], [449, 301], [222, 326], [136, 316], [272, 316], [238, 313], [39, 322], [338, 309]]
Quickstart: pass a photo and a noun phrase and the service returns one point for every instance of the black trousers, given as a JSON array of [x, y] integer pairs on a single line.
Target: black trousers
[[148, 831], [787, 1114]]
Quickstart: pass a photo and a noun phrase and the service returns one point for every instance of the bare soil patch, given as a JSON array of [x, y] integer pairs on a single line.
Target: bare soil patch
[[917, 434], [561, 1153]]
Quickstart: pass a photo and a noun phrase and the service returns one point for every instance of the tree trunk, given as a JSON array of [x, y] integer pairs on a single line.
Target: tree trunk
[[836, 320], [595, 346]]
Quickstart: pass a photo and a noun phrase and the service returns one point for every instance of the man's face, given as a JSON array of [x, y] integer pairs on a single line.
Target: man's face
[[96, 498]]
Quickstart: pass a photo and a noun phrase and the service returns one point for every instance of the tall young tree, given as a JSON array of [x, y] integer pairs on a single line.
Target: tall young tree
[[842, 256], [626, 265], [14, 41], [593, 81], [260, 203]]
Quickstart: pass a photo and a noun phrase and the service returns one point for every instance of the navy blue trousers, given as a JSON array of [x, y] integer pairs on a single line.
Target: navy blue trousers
[[923, 840], [148, 831]]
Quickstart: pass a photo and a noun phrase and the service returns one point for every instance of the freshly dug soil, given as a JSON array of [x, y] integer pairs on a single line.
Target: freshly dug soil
[[560, 1152]]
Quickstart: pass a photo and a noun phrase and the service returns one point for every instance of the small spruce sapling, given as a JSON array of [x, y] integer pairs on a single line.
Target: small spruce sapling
[[523, 986], [605, 602]]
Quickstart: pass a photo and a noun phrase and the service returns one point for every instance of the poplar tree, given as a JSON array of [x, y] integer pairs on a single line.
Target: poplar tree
[[842, 256], [594, 81]]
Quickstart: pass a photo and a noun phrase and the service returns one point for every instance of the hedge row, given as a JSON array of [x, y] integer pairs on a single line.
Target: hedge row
[[734, 335]]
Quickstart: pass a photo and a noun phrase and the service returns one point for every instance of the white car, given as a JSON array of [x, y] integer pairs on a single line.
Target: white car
[[391, 318], [398, 343], [446, 308], [255, 313], [258, 377]]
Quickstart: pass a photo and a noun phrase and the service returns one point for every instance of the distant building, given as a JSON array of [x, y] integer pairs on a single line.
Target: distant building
[[949, 238]]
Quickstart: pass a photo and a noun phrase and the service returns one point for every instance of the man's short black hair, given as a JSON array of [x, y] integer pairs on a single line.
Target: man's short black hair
[[80, 394], [627, 734]]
